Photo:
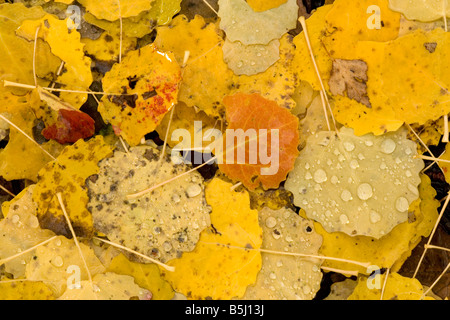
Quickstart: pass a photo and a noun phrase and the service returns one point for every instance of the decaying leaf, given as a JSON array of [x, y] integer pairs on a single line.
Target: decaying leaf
[[397, 288], [356, 185], [20, 230], [274, 128], [421, 10], [348, 77], [106, 47], [146, 276], [217, 269], [50, 264], [107, 286], [391, 250], [241, 23], [341, 290], [162, 224], [250, 59], [286, 277], [67, 175], [144, 87]]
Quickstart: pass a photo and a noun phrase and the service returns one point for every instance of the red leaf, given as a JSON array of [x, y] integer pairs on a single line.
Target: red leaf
[[71, 126]]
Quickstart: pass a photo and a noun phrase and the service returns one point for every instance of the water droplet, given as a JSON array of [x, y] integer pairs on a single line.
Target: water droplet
[[365, 191], [408, 173], [252, 63], [374, 216], [33, 222], [361, 156], [96, 288], [388, 146], [346, 195], [349, 146], [258, 54], [334, 180], [276, 234], [328, 213], [308, 176], [329, 162], [341, 158], [57, 261], [307, 166], [354, 164], [272, 276], [320, 176], [383, 166], [240, 64], [413, 189], [306, 289], [193, 190], [271, 222], [401, 204], [15, 218], [368, 143], [167, 246], [343, 218], [279, 263], [176, 198], [408, 151], [58, 242]]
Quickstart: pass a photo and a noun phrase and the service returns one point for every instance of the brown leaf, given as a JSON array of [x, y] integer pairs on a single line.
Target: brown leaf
[[350, 76]]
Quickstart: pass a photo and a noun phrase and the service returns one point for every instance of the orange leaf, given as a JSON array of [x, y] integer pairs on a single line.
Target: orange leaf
[[267, 135]]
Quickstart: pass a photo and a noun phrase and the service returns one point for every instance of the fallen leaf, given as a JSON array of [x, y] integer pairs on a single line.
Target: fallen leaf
[[365, 183], [112, 9], [106, 47], [67, 175], [341, 290], [162, 224], [263, 5], [147, 81], [421, 10], [349, 77], [21, 289], [269, 122], [286, 277]]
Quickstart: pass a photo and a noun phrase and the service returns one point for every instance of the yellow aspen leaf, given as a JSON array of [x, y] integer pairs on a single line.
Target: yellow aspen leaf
[[160, 14], [50, 264], [114, 9], [148, 81], [20, 230], [215, 269], [206, 77], [146, 276], [286, 277], [107, 286], [21, 289], [263, 5], [397, 288], [66, 45], [106, 47], [389, 249], [430, 133], [67, 175]]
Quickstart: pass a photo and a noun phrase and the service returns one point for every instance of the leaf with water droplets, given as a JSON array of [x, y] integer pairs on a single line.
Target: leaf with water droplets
[[391, 250], [161, 224], [241, 23], [216, 269], [365, 184], [20, 231], [144, 88], [286, 277], [50, 262]]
